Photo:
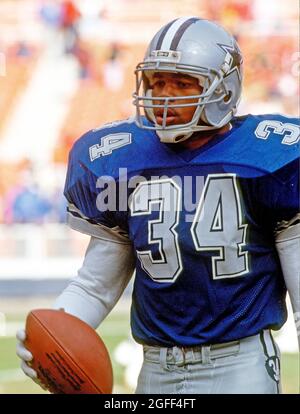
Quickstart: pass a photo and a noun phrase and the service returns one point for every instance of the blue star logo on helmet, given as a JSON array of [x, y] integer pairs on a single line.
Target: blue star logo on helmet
[[233, 59]]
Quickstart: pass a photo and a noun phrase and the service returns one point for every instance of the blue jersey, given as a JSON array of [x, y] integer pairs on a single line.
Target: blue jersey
[[202, 223]]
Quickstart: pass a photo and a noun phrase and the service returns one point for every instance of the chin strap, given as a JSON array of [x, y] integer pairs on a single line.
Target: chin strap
[[173, 137]]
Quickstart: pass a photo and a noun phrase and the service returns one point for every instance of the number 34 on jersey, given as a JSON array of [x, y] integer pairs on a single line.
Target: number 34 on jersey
[[217, 227]]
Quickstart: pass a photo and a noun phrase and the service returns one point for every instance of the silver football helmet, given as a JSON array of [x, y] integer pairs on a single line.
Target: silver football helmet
[[199, 48]]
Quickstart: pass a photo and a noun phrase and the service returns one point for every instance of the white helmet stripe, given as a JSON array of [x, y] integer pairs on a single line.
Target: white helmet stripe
[[166, 44], [162, 34], [180, 32]]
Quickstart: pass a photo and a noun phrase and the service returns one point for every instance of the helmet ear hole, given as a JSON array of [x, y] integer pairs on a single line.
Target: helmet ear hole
[[227, 98], [178, 138]]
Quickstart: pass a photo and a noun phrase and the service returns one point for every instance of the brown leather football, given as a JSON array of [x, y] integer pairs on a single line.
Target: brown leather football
[[68, 355]]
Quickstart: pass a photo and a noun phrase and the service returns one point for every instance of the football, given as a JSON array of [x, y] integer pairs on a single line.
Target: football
[[68, 355]]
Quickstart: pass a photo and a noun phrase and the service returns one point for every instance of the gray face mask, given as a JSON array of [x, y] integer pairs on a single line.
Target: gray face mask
[[201, 49]]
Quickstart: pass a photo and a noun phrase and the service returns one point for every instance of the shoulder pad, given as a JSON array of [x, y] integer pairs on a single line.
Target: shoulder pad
[[261, 144], [98, 149]]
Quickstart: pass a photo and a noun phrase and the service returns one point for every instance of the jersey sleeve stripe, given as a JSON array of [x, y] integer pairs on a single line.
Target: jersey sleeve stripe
[[79, 222], [285, 225]]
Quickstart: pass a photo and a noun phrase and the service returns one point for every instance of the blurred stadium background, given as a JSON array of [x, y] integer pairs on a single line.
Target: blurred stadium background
[[66, 67]]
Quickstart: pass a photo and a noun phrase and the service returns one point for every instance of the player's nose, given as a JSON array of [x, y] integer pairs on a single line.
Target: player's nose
[[168, 90]]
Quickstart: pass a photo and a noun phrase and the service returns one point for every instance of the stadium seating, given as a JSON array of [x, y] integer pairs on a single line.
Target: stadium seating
[[19, 70]]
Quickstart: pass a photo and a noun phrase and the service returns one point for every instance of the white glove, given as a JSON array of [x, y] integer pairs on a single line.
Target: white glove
[[26, 358]]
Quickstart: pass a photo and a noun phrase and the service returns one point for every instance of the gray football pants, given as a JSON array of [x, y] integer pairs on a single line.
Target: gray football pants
[[247, 366]]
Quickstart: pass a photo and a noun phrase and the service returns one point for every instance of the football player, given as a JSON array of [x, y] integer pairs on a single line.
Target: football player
[[210, 224]]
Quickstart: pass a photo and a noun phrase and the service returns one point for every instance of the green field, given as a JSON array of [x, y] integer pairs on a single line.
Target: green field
[[114, 330]]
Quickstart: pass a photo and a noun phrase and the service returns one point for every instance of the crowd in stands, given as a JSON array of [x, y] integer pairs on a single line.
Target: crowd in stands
[[105, 73], [20, 59], [24, 198]]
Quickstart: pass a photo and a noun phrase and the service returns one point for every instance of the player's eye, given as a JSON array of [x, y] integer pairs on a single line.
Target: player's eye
[[157, 84], [183, 85]]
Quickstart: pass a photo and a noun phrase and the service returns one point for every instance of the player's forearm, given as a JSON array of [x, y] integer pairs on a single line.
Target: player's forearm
[[288, 247], [104, 275], [77, 302]]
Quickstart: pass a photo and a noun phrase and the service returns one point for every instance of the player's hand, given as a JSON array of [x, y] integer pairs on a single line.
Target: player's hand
[[26, 358]]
